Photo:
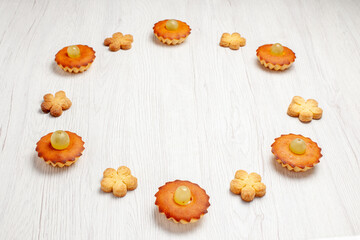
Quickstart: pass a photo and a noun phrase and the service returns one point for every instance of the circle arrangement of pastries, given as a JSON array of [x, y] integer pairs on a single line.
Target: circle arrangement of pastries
[[61, 148], [75, 59], [171, 31], [296, 152], [275, 56], [182, 201]]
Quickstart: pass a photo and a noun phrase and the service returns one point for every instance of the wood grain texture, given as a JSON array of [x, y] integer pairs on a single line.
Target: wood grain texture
[[195, 112]]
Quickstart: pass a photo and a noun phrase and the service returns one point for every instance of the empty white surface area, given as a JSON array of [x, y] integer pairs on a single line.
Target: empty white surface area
[[195, 111]]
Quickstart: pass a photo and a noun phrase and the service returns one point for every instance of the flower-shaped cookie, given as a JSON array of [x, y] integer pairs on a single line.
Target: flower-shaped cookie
[[118, 181], [119, 41], [233, 41], [305, 110], [248, 185], [55, 104]]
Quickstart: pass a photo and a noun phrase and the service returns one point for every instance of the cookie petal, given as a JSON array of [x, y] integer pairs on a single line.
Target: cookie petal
[[110, 173], [48, 97], [317, 112], [123, 171], [236, 185], [56, 110], [306, 115], [254, 177], [46, 106], [311, 103], [114, 47], [119, 189], [65, 103], [260, 189], [60, 94], [248, 194], [131, 182], [107, 184], [294, 110], [107, 41], [298, 100], [241, 174]]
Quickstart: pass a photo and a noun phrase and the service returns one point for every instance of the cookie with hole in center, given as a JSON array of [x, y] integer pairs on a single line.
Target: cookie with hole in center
[[296, 152], [75, 58], [182, 201]]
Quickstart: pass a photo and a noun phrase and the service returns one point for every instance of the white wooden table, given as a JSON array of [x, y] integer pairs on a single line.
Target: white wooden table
[[196, 112]]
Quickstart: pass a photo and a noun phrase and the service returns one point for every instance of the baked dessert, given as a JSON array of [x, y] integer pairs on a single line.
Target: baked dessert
[[305, 110], [248, 186], [119, 41], [118, 182], [182, 201], [55, 104], [296, 152], [233, 41], [171, 31], [61, 148], [75, 59], [275, 56]]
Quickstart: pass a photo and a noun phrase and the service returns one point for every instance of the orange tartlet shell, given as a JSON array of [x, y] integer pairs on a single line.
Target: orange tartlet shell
[[60, 158], [275, 62], [178, 213], [171, 37], [75, 65], [292, 161]]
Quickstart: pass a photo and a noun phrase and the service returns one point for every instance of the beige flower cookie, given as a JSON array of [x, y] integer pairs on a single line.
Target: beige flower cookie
[[119, 41], [305, 110], [247, 185], [118, 182], [233, 41], [55, 104]]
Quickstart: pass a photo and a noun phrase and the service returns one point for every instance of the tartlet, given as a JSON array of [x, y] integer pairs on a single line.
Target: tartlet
[[60, 158], [182, 213], [75, 65], [292, 161], [171, 37], [275, 61]]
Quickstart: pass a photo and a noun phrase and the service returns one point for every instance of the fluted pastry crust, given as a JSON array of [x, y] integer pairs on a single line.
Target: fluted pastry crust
[[60, 158], [182, 213], [275, 62], [75, 65], [292, 161], [171, 37]]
